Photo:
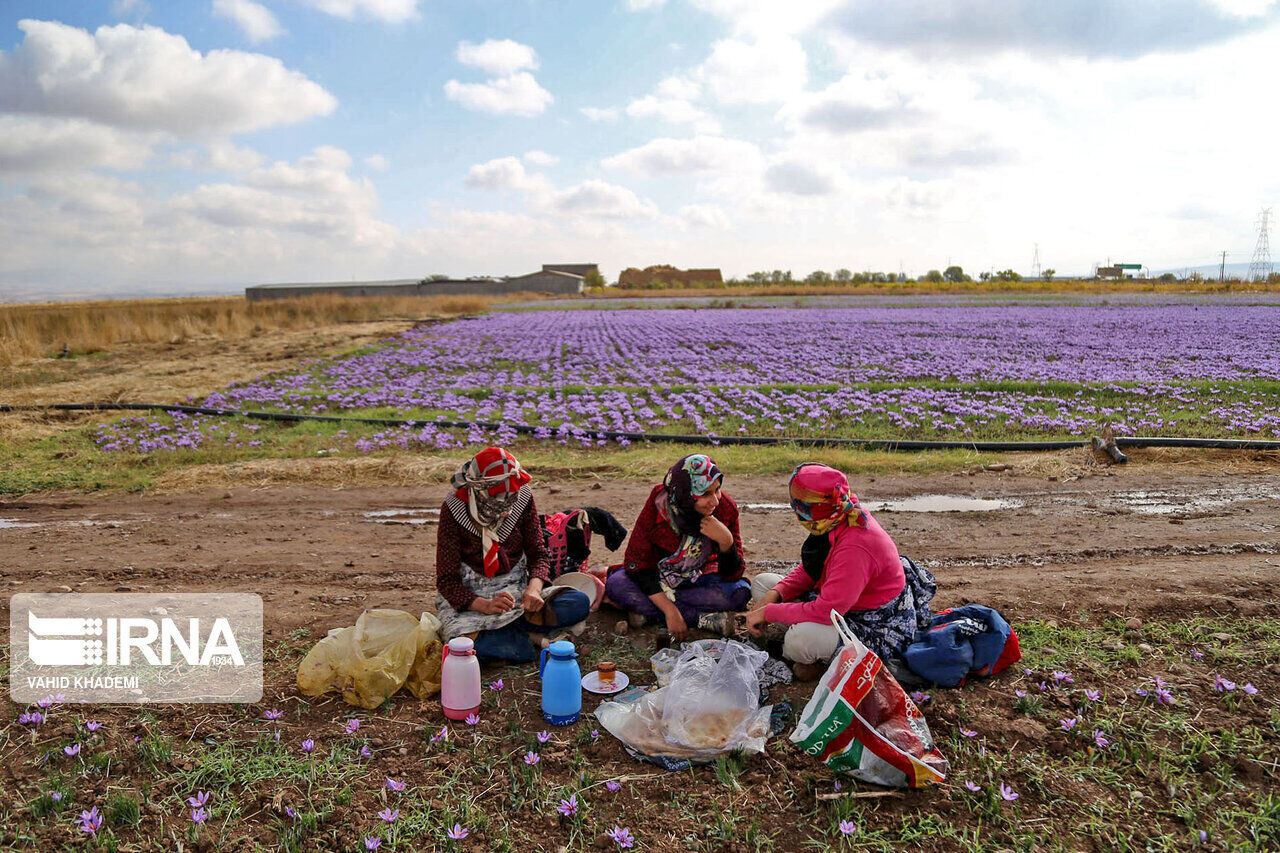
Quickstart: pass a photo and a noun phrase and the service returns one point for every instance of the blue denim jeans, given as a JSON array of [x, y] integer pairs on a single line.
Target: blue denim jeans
[[511, 642], [708, 594]]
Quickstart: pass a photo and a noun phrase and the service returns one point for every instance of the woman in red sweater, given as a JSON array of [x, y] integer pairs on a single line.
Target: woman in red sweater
[[684, 560], [491, 562], [847, 564]]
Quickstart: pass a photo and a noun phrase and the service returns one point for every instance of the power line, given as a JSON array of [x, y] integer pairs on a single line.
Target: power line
[[1222, 270], [1260, 266]]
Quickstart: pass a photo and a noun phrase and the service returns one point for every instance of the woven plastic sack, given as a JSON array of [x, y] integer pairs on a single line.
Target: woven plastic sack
[[369, 661], [860, 721]]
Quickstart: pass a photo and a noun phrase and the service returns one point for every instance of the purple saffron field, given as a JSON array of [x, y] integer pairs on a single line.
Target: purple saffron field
[[924, 370]]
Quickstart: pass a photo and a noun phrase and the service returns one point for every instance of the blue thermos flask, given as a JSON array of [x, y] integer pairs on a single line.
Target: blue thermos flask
[[561, 683]]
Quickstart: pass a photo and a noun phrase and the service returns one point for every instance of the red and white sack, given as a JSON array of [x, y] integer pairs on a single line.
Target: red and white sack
[[860, 721]]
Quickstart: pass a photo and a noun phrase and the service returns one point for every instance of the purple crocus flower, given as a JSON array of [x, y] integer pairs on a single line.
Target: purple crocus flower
[[622, 836], [291, 811], [1222, 685], [56, 796], [613, 786], [972, 786], [90, 821], [1100, 739], [848, 827], [1197, 654], [93, 725], [1250, 690], [544, 736], [1021, 694], [920, 697], [372, 842], [394, 785], [389, 815], [595, 734], [1068, 724], [74, 749], [198, 800], [1164, 697], [365, 752], [1007, 793], [458, 832], [43, 704], [443, 734], [1063, 677], [308, 745], [531, 757], [568, 807], [496, 685], [273, 714], [1093, 695], [353, 726], [199, 816], [472, 720], [34, 718], [968, 733]]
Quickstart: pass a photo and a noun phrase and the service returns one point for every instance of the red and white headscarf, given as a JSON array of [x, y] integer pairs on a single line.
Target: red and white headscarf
[[492, 491]]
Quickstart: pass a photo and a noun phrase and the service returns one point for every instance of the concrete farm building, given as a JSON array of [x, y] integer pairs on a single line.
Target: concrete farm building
[[552, 278]]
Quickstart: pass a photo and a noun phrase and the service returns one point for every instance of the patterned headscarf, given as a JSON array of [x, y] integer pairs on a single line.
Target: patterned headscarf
[[822, 500], [493, 489], [686, 481]]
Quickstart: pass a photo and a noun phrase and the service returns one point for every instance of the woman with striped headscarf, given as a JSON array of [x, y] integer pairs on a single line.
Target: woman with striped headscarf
[[491, 562], [847, 564]]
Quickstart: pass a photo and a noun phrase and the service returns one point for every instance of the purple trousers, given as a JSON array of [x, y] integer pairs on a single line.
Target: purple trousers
[[708, 594]]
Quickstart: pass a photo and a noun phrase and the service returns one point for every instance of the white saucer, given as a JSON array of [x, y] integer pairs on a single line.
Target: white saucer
[[591, 682]]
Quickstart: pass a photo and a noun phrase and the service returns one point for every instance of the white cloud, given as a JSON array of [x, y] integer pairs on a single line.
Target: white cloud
[[377, 162], [679, 88], [599, 198], [642, 5], [518, 94], [673, 111], [147, 79], [703, 216], [500, 57], [540, 158], [769, 69], [390, 11], [666, 156], [220, 155], [601, 113], [255, 20], [42, 143], [1122, 28], [797, 176], [504, 173], [768, 17]]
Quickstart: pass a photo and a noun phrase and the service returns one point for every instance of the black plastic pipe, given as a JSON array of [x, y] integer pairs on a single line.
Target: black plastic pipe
[[525, 429]]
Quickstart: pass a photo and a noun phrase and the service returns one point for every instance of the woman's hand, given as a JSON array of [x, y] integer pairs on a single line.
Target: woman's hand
[[756, 621], [500, 603], [676, 626], [532, 601], [714, 529]]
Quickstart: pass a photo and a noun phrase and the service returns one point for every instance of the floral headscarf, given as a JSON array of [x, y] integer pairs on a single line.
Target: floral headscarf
[[822, 500], [686, 481], [493, 490]]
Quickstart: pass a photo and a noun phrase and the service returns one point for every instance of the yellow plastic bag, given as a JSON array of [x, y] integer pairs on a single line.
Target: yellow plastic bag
[[373, 659]]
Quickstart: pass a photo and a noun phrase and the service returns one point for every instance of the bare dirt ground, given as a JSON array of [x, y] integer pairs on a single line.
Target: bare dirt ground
[[1125, 541]]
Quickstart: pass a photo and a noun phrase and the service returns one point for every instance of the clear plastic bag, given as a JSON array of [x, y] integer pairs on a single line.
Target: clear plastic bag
[[712, 704], [369, 661]]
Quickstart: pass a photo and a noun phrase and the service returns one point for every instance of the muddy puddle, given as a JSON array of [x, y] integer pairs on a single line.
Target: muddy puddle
[[919, 503], [1203, 501], [403, 516]]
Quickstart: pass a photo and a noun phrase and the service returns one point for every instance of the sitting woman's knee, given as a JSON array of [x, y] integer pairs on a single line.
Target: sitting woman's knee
[[809, 642]]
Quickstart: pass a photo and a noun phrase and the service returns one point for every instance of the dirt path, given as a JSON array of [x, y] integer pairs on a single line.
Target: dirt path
[[1127, 541]]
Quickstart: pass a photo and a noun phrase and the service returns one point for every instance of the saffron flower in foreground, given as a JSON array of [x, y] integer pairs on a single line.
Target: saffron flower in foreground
[[389, 815], [458, 832], [1068, 724], [1093, 695], [34, 718], [443, 734], [1250, 690], [848, 827], [531, 757], [1021, 694], [353, 725], [496, 685], [273, 714], [920, 697], [1007, 793], [622, 836], [595, 734], [1197, 654], [1100, 739], [93, 725], [972, 786], [199, 816], [90, 821], [372, 842], [365, 752], [544, 736], [198, 800], [56, 796], [968, 733], [74, 749], [568, 807], [394, 785], [308, 745], [472, 720], [1222, 685], [613, 786]]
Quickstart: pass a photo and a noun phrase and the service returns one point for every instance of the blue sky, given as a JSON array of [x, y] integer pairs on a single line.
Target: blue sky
[[151, 146]]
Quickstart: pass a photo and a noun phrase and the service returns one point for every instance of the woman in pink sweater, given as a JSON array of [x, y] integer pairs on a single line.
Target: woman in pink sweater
[[849, 565]]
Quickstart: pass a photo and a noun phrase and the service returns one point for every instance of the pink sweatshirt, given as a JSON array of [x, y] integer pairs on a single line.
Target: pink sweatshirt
[[861, 572]]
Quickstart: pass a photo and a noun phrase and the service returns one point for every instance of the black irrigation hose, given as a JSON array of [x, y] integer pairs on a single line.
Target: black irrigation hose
[[524, 429]]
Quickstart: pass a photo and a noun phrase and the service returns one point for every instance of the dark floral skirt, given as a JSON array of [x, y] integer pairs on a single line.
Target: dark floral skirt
[[891, 627]]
